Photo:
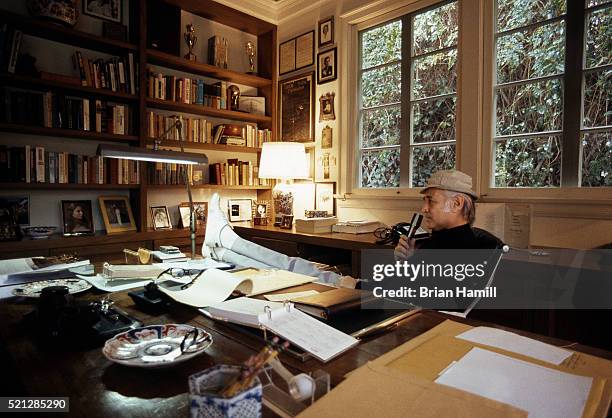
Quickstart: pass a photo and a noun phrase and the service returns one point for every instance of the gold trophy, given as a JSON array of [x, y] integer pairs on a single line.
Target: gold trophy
[[250, 50], [190, 40]]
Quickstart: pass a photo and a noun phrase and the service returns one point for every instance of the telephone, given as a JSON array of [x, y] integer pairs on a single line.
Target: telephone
[[409, 229]]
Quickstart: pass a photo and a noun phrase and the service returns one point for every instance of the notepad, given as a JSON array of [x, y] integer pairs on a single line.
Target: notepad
[[242, 310], [316, 337], [214, 286]]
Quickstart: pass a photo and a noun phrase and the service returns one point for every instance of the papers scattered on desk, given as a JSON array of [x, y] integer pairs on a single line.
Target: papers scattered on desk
[[214, 286], [280, 297], [166, 258], [319, 339], [540, 391], [516, 343], [195, 265], [242, 310], [30, 267], [105, 284]]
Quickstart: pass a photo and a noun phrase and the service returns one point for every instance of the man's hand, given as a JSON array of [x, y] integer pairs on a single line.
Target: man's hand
[[405, 248], [347, 281]]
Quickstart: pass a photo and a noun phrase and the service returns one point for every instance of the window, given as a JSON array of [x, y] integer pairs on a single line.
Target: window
[[407, 124], [553, 93]]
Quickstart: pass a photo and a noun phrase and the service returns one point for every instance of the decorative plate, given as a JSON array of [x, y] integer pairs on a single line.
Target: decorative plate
[[33, 289], [38, 232], [156, 346]]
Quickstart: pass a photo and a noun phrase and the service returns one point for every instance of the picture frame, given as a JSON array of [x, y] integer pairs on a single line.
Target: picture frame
[[327, 66], [296, 53], [239, 210], [261, 212], [201, 213], [324, 197], [326, 32], [77, 217], [296, 101], [326, 107], [20, 206], [160, 218], [117, 214], [287, 222], [327, 137], [111, 10]]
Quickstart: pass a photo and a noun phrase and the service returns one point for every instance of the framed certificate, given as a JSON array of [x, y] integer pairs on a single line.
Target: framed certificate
[[296, 53], [297, 108]]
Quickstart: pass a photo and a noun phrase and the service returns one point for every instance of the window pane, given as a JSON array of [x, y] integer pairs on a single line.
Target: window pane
[[380, 127], [598, 98], [528, 162], [591, 3], [381, 45], [381, 86], [535, 52], [435, 29], [514, 13], [531, 107], [433, 120], [434, 75], [427, 160], [597, 159], [599, 38], [380, 168]]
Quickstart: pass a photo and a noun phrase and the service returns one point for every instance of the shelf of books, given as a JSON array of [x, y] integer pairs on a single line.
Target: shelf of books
[[208, 186], [66, 133], [66, 186], [206, 70], [207, 111], [206, 146], [55, 32]]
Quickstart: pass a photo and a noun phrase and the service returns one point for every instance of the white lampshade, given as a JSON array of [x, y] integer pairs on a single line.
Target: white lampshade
[[283, 160]]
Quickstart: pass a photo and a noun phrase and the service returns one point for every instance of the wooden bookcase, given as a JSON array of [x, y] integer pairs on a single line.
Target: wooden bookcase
[[138, 44]]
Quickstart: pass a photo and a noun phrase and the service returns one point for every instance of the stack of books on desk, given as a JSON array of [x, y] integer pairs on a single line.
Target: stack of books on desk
[[315, 225], [169, 258], [356, 227]]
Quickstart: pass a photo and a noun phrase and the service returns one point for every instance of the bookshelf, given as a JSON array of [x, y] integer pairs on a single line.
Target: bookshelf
[[141, 20]]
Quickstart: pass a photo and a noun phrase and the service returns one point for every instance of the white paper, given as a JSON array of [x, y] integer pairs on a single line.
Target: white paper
[[316, 337], [264, 281], [280, 297], [540, 391], [516, 343], [113, 285], [25, 268], [16, 265], [195, 265], [241, 310]]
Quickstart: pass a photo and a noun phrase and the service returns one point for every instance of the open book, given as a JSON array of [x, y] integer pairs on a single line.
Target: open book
[[25, 268], [214, 286], [243, 310]]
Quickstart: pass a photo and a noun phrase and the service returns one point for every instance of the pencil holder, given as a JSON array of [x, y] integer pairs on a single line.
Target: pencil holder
[[206, 400]]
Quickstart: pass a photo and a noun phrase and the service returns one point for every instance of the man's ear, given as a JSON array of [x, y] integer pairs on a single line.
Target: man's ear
[[458, 202]]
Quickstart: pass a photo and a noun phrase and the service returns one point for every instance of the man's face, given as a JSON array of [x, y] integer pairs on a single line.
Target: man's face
[[436, 215]]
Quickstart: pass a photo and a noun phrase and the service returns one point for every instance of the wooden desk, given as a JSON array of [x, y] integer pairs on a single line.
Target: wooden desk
[[99, 388], [305, 245]]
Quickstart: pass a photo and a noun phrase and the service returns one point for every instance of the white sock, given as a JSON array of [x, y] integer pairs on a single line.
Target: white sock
[[219, 232]]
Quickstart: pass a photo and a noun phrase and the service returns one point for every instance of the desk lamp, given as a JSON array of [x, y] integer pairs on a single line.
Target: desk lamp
[[157, 155], [283, 161]]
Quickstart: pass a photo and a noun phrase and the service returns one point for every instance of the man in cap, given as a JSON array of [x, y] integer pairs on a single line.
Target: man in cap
[[449, 211]]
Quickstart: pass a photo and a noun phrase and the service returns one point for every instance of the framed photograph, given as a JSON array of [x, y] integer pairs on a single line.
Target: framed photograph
[[201, 212], [287, 222], [261, 212], [239, 209], [326, 107], [296, 53], [20, 206], [117, 214], [161, 218], [326, 31], [324, 197], [297, 108], [110, 10], [77, 217], [327, 66], [326, 137]]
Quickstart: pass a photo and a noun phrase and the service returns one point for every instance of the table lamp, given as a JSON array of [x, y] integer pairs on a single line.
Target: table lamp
[[156, 155], [283, 161]]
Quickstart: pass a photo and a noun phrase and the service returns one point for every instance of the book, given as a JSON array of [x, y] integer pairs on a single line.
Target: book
[[242, 310], [333, 302], [315, 225], [356, 227], [168, 258], [35, 266]]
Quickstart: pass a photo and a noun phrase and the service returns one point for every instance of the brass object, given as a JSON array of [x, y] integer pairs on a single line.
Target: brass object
[[233, 95], [142, 256], [190, 39], [251, 51]]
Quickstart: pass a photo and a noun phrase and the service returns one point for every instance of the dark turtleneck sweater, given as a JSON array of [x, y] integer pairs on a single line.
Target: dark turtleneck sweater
[[458, 237]]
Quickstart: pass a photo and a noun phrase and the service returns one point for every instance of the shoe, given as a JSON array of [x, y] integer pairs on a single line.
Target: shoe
[[214, 253], [219, 232]]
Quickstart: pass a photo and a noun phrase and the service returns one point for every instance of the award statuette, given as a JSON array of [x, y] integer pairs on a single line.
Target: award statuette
[[250, 50], [190, 40]]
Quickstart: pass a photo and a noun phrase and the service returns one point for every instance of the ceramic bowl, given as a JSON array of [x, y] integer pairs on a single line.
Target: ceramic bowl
[[39, 232]]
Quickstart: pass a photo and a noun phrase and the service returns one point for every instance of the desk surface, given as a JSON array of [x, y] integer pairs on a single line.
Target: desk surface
[[99, 388]]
